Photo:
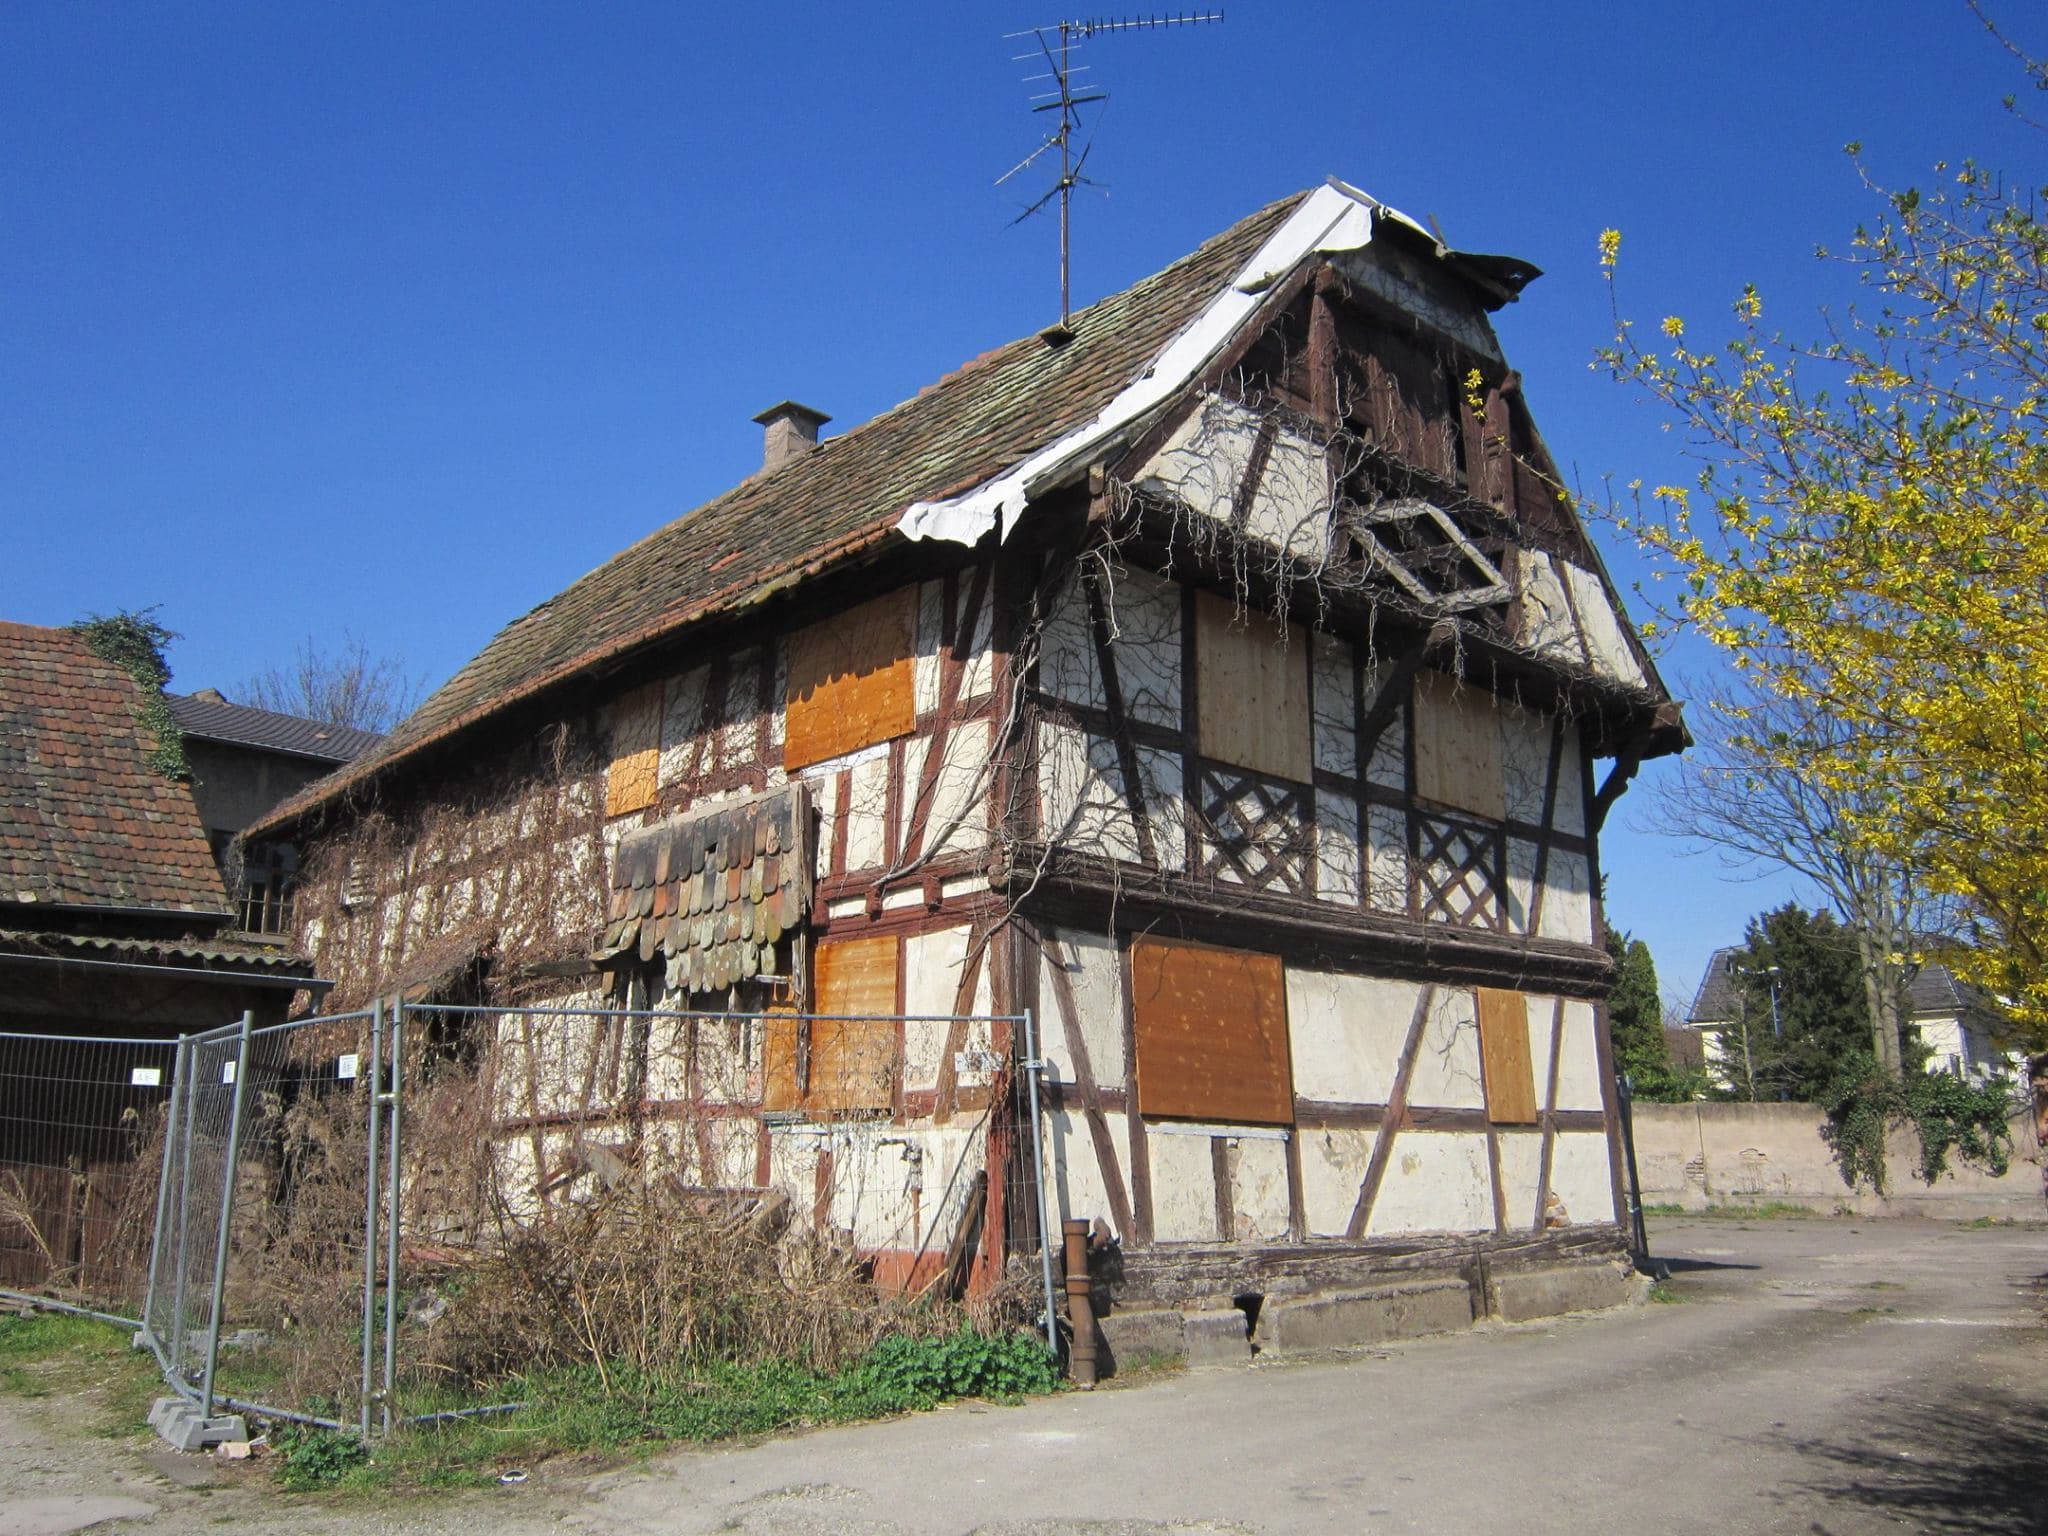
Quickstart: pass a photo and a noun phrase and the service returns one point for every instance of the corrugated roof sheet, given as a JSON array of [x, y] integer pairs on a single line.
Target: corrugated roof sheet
[[822, 507], [218, 720], [84, 819]]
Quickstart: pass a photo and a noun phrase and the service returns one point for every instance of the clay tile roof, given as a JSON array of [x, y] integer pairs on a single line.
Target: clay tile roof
[[822, 507], [238, 724], [84, 819]]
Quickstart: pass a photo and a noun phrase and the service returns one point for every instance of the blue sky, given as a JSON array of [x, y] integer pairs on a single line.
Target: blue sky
[[394, 319]]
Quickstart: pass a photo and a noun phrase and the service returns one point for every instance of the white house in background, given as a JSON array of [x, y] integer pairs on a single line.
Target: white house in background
[[1955, 1023]]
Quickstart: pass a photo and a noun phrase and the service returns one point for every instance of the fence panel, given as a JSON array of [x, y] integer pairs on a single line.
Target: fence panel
[[81, 1136]]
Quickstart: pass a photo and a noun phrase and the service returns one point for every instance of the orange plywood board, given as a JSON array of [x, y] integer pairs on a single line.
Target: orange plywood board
[[850, 680], [1252, 687], [1457, 745], [1504, 1047], [1210, 1030]]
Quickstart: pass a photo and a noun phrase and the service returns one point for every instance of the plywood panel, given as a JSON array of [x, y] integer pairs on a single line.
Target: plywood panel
[[1504, 1042], [850, 680], [1210, 1030], [1457, 745], [635, 773], [1254, 700]]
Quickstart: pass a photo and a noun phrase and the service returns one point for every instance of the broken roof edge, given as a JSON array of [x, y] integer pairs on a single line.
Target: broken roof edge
[[1334, 217]]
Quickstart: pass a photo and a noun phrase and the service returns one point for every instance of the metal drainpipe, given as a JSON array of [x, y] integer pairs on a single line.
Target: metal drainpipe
[[1033, 1065], [1080, 1306]]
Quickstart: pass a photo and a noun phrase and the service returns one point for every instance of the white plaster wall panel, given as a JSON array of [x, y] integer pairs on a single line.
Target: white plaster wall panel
[[1066, 649], [1093, 971], [1183, 1187], [1436, 1181], [1579, 1078], [1337, 864], [1290, 507], [1446, 1071], [931, 634], [1521, 1165], [1524, 761], [1345, 1034], [1334, 705], [1546, 614], [1389, 763], [1073, 1176], [1145, 626], [1165, 805], [959, 817], [867, 813], [1606, 639], [1081, 793], [1521, 883], [1571, 787], [1333, 1165], [1567, 898], [1203, 461], [1386, 859], [1579, 1176], [1258, 1188]]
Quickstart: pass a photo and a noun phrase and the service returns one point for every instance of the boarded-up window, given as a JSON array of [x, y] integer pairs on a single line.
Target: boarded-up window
[[1504, 1049], [1210, 1030], [1253, 686], [850, 680], [1457, 745], [828, 1064], [634, 776]]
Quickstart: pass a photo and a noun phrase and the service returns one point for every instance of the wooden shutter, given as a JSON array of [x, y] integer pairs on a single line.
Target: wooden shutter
[[850, 680], [634, 776], [1253, 690], [1504, 1049], [853, 1061], [1457, 745], [1210, 1031]]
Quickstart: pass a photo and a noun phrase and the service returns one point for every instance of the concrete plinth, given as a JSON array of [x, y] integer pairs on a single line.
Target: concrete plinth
[[1371, 1315], [183, 1429], [1519, 1295]]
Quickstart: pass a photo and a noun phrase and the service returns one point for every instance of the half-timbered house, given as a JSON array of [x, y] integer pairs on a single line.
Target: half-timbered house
[[1224, 679]]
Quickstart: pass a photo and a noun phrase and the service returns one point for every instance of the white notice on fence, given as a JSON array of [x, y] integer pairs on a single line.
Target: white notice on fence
[[227, 1071], [145, 1077], [345, 1066]]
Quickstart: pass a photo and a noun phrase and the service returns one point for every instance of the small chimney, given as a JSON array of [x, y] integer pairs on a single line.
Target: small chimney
[[788, 431]]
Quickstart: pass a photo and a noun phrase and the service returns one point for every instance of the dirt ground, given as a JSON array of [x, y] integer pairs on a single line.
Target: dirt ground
[[1809, 1375]]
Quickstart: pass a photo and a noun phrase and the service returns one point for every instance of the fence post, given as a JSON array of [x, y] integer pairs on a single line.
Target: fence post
[[392, 1218], [375, 1082], [227, 1214], [1033, 1065], [163, 1192]]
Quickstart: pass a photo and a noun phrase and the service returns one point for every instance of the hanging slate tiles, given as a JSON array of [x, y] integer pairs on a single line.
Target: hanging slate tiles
[[713, 892]]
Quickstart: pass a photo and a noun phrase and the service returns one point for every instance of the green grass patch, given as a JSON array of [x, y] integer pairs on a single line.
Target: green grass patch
[[582, 1411], [45, 1353]]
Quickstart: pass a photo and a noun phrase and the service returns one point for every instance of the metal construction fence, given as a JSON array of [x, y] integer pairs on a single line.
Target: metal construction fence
[[295, 1217]]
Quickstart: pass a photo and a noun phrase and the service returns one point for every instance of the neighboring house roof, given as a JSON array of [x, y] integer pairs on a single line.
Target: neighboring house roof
[[823, 506], [1934, 992], [215, 719], [84, 819]]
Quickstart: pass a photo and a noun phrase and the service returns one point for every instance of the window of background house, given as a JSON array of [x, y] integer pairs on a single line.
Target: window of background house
[[830, 1064], [1457, 745], [1504, 1057], [1210, 1031], [1253, 690], [850, 680]]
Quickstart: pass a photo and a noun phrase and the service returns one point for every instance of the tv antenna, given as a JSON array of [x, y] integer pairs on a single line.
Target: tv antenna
[[1056, 45]]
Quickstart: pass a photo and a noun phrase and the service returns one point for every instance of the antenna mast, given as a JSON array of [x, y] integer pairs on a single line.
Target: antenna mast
[[1056, 44]]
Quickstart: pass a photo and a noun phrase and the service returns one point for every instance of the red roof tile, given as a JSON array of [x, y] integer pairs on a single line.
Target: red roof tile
[[84, 819]]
